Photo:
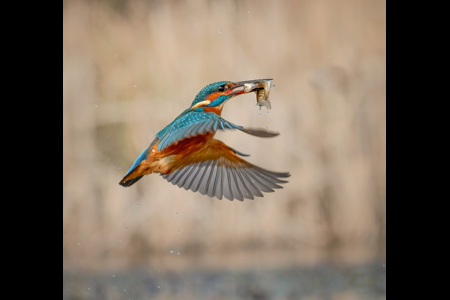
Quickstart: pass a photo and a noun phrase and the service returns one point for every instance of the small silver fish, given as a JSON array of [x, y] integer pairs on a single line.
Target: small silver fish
[[262, 94]]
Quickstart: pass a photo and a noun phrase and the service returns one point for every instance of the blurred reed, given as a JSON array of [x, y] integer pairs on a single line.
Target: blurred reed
[[131, 67]]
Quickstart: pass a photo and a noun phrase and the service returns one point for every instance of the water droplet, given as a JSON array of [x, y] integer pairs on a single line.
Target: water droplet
[[158, 286], [137, 204], [78, 243], [113, 275], [248, 11], [171, 251], [267, 111], [95, 105], [176, 213], [220, 31], [126, 228], [134, 85], [178, 253]]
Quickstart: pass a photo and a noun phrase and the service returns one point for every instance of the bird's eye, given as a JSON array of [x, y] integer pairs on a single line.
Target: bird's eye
[[221, 88]]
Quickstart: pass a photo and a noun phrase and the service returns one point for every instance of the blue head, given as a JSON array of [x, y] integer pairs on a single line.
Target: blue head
[[215, 93]]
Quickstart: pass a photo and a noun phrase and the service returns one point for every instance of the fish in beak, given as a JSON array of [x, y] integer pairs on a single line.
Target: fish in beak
[[260, 86]]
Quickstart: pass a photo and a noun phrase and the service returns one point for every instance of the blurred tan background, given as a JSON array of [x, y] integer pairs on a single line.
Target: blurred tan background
[[130, 67]]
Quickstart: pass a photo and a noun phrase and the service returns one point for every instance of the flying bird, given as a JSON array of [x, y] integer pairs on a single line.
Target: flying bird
[[185, 152]]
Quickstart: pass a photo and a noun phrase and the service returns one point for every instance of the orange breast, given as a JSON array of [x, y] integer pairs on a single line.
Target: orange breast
[[215, 109]]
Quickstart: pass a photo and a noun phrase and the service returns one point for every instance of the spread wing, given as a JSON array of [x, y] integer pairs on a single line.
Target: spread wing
[[191, 123], [220, 172]]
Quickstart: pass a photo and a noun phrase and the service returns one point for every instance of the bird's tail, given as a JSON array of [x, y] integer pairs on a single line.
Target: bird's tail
[[136, 172], [127, 181]]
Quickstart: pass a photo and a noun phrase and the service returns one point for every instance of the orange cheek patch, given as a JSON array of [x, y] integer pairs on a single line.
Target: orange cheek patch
[[213, 96]]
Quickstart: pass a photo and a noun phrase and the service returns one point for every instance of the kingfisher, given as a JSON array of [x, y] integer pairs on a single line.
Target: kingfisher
[[186, 154]]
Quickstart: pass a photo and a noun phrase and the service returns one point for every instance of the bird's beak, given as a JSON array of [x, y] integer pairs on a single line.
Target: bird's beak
[[244, 87]]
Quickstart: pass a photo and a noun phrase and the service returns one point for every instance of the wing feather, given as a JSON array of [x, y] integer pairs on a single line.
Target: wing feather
[[204, 167], [190, 177], [180, 176], [226, 184], [217, 186], [243, 186], [248, 181], [221, 173], [260, 185], [236, 189]]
